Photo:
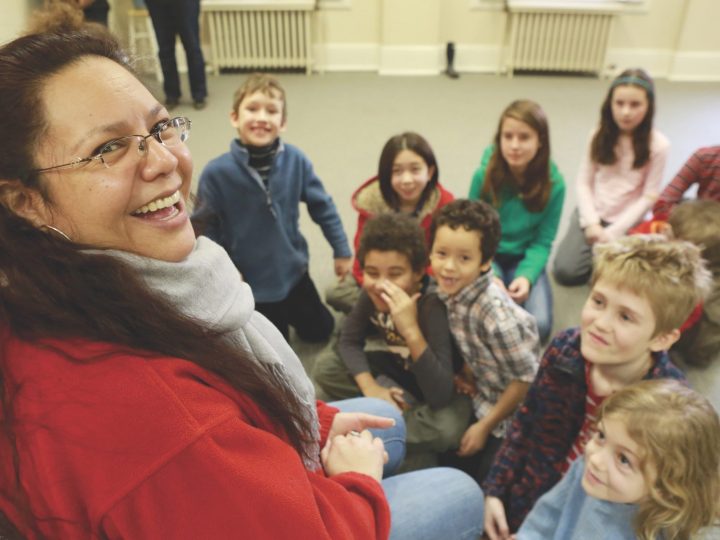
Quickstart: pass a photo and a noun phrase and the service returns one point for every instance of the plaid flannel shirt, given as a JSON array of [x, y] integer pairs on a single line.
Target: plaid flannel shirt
[[497, 338]]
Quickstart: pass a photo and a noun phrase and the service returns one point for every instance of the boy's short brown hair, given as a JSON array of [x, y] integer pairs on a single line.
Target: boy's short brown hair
[[393, 231], [472, 216], [260, 82], [670, 274]]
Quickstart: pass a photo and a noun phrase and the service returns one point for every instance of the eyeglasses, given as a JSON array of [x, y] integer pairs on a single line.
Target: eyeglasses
[[169, 133]]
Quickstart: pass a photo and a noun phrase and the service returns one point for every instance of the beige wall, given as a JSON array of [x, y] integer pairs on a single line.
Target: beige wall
[[14, 18], [701, 30], [675, 38], [670, 37]]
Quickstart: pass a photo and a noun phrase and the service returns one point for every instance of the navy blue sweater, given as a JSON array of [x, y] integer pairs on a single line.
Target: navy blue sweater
[[259, 228]]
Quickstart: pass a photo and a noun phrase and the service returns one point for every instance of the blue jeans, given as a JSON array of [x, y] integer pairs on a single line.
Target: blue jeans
[[540, 301], [432, 504], [173, 18]]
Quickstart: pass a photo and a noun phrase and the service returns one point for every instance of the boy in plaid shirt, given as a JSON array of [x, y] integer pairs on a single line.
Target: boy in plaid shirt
[[498, 340]]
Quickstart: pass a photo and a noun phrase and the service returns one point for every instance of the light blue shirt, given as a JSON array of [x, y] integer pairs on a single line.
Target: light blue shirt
[[566, 512]]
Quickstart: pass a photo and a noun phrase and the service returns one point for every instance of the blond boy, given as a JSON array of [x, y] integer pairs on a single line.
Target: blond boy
[[643, 288], [249, 202]]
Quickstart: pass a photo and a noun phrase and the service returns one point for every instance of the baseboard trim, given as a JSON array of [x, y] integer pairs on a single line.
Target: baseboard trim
[[696, 66], [430, 60], [406, 59], [410, 59], [346, 56], [657, 62]]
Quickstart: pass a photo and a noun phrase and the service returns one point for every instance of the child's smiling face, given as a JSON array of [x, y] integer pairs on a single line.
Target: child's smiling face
[[259, 118], [613, 464], [456, 258], [618, 327]]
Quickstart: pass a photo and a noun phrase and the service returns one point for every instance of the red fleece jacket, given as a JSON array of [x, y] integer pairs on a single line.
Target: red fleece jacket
[[114, 444]]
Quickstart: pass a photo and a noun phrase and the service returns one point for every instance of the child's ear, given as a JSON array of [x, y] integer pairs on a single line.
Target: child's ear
[[234, 119], [484, 267], [662, 342]]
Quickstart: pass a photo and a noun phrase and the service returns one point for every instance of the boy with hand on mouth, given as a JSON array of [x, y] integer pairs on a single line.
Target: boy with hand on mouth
[[395, 343], [498, 340], [249, 202], [643, 288]]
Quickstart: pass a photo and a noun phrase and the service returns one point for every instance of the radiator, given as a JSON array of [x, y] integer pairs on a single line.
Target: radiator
[[552, 41], [259, 37]]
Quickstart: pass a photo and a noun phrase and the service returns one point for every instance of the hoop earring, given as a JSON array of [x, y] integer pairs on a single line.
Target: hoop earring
[[58, 231]]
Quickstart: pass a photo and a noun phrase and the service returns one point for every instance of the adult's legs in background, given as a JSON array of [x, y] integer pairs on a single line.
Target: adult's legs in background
[[393, 438], [434, 503], [188, 27], [164, 18], [573, 260]]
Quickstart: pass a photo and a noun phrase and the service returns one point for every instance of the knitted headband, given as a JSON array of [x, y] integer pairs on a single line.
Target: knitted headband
[[631, 79]]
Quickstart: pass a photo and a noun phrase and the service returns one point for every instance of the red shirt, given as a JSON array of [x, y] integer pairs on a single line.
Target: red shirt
[[592, 403], [112, 444]]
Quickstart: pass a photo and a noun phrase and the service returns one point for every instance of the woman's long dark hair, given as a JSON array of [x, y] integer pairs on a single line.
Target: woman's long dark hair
[[50, 288], [602, 147], [536, 185], [405, 141]]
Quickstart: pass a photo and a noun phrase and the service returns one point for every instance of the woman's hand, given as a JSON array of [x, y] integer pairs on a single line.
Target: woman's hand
[[473, 440], [496, 526], [344, 423], [403, 308], [519, 289], [354, 452], [342, 267]]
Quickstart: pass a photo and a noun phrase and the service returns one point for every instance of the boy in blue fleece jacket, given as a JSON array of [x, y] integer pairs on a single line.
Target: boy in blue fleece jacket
[[249, 203]]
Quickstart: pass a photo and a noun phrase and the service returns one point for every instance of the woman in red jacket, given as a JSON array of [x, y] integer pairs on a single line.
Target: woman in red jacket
[[140, 394], [407, 182]]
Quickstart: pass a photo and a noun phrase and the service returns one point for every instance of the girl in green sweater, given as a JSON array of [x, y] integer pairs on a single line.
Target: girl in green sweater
[[518, 178]]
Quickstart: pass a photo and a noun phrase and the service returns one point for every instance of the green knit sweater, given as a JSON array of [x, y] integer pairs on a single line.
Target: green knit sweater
[[523, 232]]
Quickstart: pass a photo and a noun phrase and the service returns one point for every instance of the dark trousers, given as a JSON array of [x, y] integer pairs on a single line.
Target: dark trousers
[[303, 310], [478, 465], [173, 18]]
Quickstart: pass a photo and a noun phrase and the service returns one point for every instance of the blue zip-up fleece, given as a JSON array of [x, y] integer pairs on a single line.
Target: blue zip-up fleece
[[259, 228]]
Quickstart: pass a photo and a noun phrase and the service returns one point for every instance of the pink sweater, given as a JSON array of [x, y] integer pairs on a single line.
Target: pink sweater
[[617, 193]]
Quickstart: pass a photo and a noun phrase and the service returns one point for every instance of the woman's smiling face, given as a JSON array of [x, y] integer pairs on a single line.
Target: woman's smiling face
[[136, 205]]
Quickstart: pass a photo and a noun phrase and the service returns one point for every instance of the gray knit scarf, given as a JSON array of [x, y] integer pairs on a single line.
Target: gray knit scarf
[[207, 287]]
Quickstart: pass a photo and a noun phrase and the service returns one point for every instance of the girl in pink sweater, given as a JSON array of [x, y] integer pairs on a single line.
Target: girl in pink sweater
[[619, 177]]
